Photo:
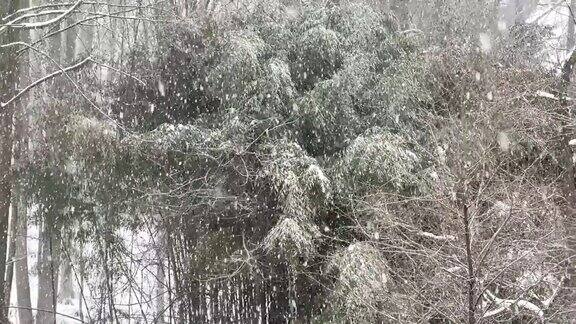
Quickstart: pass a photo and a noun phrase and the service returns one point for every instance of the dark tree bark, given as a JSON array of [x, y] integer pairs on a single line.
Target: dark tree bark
[[470, 267]]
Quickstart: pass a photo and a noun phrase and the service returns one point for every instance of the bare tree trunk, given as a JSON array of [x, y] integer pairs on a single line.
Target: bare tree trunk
[[86, 37], [44, 284], [55, 42], [569, 186], [18, 245], [470, 268], [71, 35], [21, 266], [113, 38], [19, 146], [570, 37], [66, 286], [47, 274], [81, 283], [160, 277], [8, 78], [11, 245]]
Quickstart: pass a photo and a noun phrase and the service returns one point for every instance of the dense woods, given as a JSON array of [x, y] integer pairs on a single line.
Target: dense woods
[[285, 161]]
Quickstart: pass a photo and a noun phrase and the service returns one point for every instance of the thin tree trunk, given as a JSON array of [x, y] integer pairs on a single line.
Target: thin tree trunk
[[569, 186], [55, 43], [570, 37], [8, 78], [71, 35], [86, 37], [20, 210], [21, 266], [19, 147], [47, 274], [44, 278], [470, 268], [81, 283], [11, 246], [66, 287], [160, 277]]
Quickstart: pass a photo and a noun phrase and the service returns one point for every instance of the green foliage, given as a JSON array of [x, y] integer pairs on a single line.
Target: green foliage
[[292, 238], [316, 56], [303, 115], [235, 78], [362, 283], [301, 184], [360, 26], [376, 160]]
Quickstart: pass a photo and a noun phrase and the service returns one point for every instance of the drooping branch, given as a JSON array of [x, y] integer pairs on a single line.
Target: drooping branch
[[13, 23], [34, 25], [44, 79], [29, 9], [65, 4]]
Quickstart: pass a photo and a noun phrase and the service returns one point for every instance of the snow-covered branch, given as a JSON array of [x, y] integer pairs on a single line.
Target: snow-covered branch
[[43, 79], [437, 237], [506, 304], [33, 25], [67, 4], [548, 95]]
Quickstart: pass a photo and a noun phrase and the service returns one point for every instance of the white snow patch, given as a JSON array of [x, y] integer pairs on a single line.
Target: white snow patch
[[503, 141], [161, 88], [485, 42]]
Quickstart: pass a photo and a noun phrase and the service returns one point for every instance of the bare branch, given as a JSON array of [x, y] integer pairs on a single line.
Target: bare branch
[[43, 79], [43, 23], [437, 237]]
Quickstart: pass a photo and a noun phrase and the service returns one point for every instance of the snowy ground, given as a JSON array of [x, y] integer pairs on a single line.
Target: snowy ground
[[137, 287]]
